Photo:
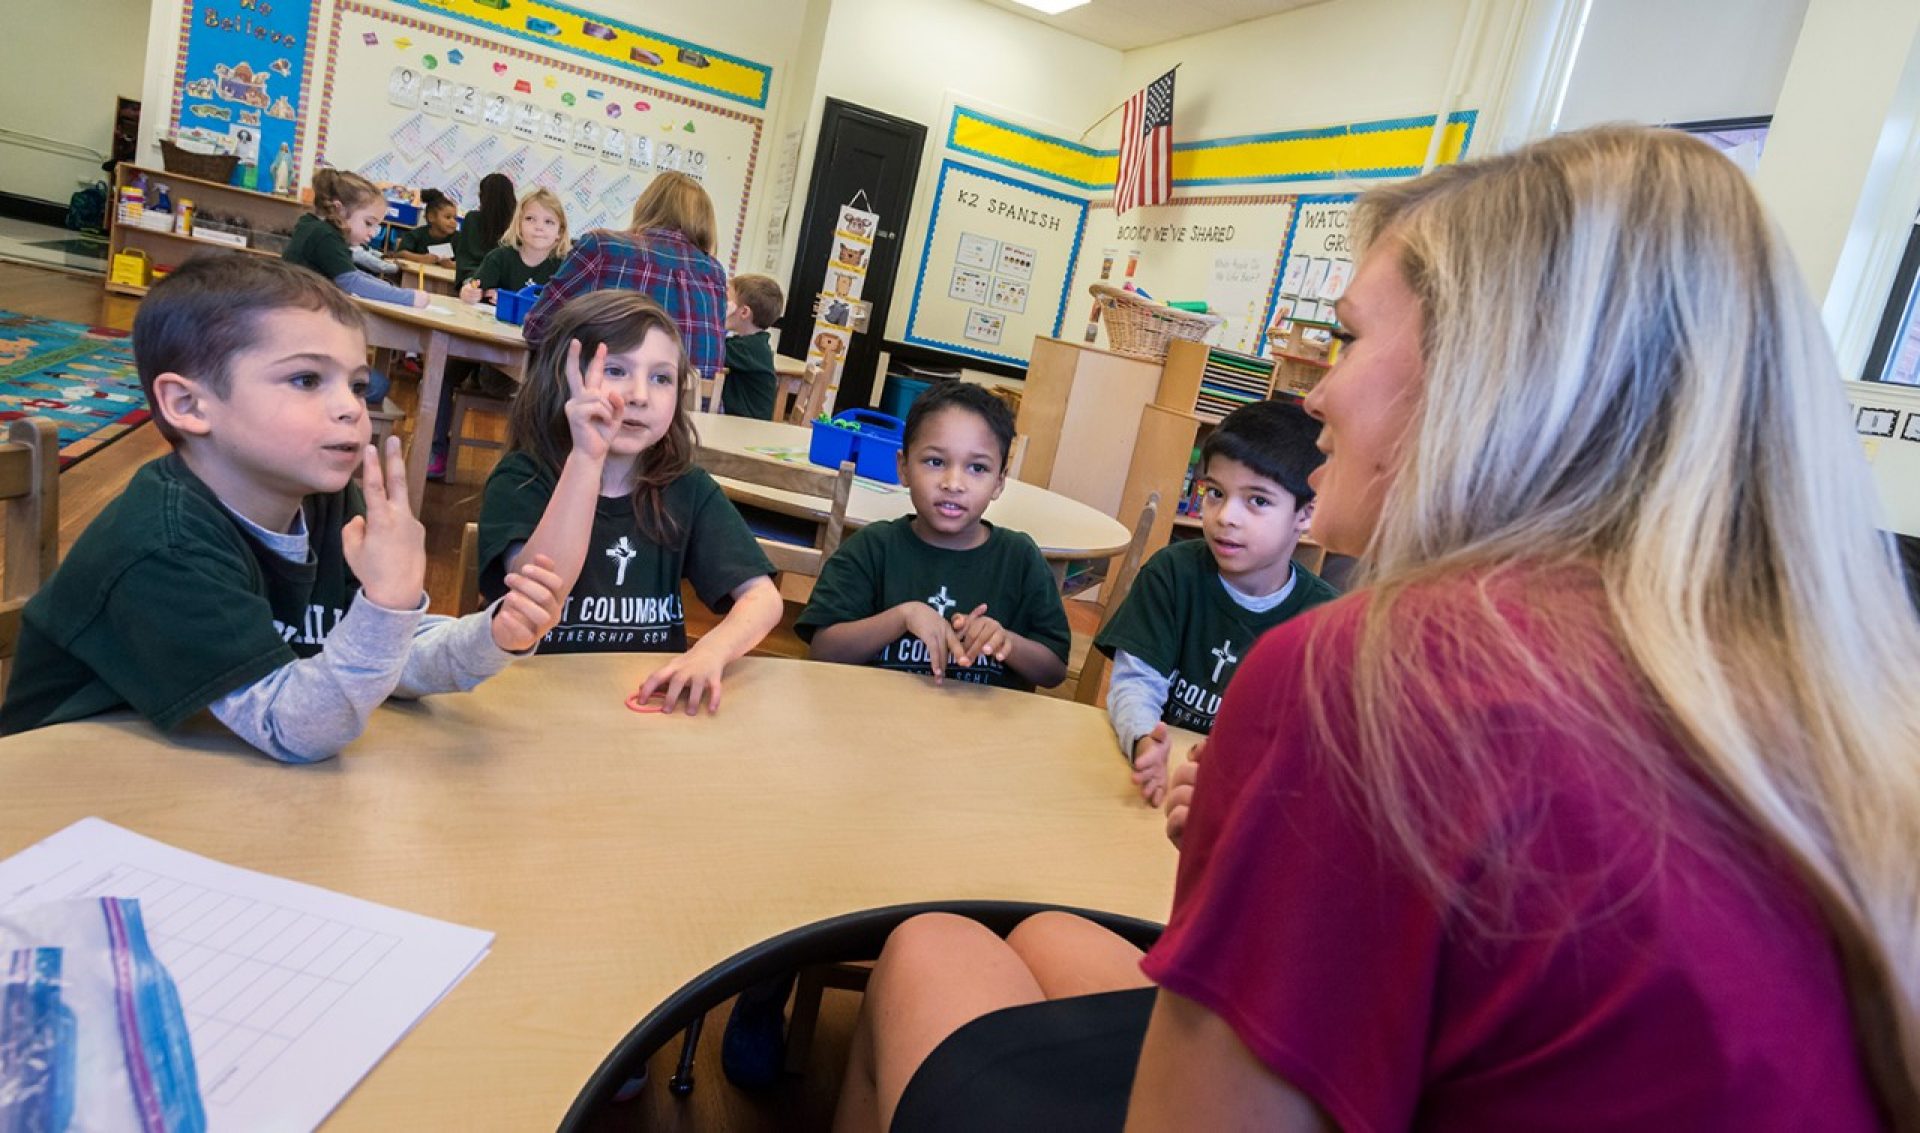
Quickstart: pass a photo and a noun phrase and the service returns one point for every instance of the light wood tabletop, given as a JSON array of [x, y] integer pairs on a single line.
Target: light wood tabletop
[[445, 328], [435, 278], [1064, 528], [617, 855]]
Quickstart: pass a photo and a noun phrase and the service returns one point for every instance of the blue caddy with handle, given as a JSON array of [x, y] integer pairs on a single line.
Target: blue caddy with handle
[[512, 306], [871, 440]]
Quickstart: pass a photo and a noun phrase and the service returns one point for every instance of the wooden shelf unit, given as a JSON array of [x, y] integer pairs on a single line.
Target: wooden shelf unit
[[263, 212]]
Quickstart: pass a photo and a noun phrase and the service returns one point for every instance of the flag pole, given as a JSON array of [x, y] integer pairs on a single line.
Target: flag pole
[[1120, 107]]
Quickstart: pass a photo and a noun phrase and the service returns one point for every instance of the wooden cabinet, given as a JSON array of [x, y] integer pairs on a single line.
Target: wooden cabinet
[[261, 220]]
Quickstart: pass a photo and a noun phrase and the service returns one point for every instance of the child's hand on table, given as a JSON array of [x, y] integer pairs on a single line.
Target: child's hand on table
[[421, 299], [470, 291], [981, 636], [387, 547], [531, 607], [1150, 754], [1180, 794], [696, 673], [594, 411], [924, 622]]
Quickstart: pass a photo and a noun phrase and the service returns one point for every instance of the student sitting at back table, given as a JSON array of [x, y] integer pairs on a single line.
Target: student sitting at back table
[[599, 478], [1199, 604], [942, 591], [347, 211], [439, 220], [245, 573], [530, 252], [482, 229], [753, 304]]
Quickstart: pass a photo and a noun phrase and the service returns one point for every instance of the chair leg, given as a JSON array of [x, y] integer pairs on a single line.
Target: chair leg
[[682, 1081], [806, 1016], [454, 428]]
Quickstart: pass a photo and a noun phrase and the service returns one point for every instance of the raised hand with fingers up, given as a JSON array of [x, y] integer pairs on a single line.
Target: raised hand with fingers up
[[594, 409], [387, 547]]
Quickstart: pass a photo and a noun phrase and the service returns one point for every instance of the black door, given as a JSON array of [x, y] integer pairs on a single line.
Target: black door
[[859, 150]]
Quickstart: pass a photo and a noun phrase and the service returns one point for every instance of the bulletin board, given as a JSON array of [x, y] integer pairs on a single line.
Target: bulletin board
[[238, 86], [1223, 250], [1318, 262], [996, 265], [419, 103]]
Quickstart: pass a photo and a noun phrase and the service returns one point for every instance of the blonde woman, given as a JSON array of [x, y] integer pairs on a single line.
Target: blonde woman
[[1596, 807], [530, 252], [666, 253]]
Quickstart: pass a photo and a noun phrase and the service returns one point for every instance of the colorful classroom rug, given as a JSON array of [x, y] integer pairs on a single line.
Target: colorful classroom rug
[[79, 377]]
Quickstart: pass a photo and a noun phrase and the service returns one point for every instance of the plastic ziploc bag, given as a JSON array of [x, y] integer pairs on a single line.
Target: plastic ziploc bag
[[92, 1039]]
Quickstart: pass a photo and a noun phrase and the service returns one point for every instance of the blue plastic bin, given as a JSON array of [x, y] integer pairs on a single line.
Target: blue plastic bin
[[403, 212], [871, 440], [512, 306]]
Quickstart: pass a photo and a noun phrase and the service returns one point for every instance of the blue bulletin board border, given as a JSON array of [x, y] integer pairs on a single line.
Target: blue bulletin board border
[[947, 166], [1300, 204]]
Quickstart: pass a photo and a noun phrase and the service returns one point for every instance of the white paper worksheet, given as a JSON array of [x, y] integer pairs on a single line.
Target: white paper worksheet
[[292, 993]]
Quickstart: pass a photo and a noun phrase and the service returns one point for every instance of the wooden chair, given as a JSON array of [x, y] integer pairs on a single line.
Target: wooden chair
[[800, 479], [468, 569], [799, 400], [709, 399], [463, 403], [30, 485], [1093, 671], [1016, 456]]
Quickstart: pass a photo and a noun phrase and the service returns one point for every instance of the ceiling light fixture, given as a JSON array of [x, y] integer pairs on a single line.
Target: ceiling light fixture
[[1051, 7]]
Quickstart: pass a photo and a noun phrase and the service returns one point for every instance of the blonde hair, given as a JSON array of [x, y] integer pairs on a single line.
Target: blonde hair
[[546, 199], [1627, 383], [337, 194], [676, 201]]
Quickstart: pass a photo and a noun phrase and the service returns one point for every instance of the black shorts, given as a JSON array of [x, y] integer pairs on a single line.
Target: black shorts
[[1066, 1064]]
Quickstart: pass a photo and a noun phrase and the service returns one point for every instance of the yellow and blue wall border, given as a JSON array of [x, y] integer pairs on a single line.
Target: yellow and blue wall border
[[552, 24], [1392, 148]]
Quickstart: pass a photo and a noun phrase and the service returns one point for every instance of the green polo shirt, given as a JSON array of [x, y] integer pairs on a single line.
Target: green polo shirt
[[319, 245], [504, 270], [750, 379]]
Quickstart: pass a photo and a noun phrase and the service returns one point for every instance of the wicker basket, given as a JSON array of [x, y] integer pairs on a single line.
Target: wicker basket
[[216, 167], [1143, 328]]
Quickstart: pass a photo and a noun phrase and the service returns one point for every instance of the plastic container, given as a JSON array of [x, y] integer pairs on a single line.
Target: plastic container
[[512, 306], [900, 393], [871, 440], [403, 213]]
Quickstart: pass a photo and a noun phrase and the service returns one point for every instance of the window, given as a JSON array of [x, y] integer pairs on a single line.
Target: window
[[1895, 356]]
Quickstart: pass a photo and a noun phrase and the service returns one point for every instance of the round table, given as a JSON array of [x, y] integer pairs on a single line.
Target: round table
[[617, 855], [1064, 527]]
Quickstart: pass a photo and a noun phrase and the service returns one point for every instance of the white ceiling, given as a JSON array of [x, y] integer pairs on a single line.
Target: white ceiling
[[1127, 24]]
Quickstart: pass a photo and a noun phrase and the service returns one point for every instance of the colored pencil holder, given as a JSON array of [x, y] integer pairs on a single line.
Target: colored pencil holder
[[512, 306]]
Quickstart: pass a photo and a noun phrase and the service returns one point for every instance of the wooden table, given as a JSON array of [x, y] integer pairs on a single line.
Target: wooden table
[[1064, 528], [445, 329], [615, 855], [427, 277]]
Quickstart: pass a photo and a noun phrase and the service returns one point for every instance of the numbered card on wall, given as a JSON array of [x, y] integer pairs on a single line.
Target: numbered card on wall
[[527, 120], [403, 87], [613, 145], [497, 112], [640, 152], [436, 96], [466, 103], [586, 137]]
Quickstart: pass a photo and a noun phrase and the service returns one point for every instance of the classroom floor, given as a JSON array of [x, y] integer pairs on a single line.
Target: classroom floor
[[23, 241]]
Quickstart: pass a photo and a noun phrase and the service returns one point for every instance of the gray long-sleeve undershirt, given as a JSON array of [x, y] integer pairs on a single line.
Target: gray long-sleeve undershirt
[[1137, 694], [373, 287], [307, 710]]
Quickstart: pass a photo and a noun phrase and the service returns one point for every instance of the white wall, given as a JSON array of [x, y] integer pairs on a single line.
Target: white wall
[[61, 65], [1662, 61]]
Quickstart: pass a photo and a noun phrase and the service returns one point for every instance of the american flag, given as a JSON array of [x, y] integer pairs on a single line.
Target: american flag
[[1146, 147]]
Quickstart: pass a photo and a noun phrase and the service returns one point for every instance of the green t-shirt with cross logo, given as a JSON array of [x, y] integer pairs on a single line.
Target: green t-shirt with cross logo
[[627, 599], [167, 603], [885, 564], [1179, 619]]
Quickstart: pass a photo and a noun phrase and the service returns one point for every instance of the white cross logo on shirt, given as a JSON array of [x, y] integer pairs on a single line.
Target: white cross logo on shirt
[[941, 602], [621, 553], [1223, 657]]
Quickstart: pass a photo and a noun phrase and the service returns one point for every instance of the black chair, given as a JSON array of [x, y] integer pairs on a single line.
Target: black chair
[[853, 937]]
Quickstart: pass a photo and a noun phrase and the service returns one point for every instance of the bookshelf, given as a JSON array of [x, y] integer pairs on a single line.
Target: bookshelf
[[260, 221]]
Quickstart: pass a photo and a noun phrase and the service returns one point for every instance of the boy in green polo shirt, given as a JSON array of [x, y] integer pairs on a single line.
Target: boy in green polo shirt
[[754, 303], [942, 592], [244, 573], [1199, 604]]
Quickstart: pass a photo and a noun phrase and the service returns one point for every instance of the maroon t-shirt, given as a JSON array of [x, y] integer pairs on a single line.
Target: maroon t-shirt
[[1649, 967]]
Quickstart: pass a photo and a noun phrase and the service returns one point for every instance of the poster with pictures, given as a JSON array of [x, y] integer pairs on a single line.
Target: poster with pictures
[[976, 251], [970, 285], [403, 87], [497, 112], [1016, 262], [436, 96], [613, 145], [835, 310], [985, 326], [997, 258], [1319, 261], [1009, 295], [466, 103], [527, 120]]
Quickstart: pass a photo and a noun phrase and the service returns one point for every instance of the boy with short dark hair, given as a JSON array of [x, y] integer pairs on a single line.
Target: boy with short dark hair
[[244, 573], [754, 303], [1198, 605]]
